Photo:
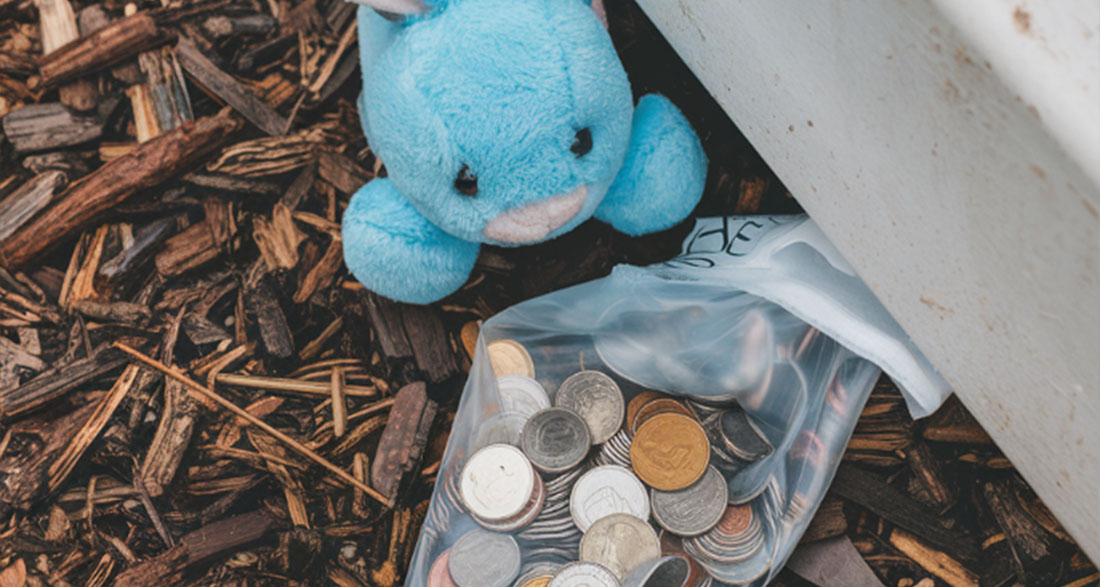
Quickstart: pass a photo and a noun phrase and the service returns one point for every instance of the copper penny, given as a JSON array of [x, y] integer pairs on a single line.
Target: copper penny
[[736, 520], [670, 452], [636, 404], [508, 357], [663, 405]]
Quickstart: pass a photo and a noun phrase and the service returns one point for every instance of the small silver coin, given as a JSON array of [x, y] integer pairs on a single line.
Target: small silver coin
[[555, 439], [484, 559], [620, 542], [584, 574], [519, 393], [693, 510], [742, 438], [607, 490], [502, 428], [497, 482], [597, 398]]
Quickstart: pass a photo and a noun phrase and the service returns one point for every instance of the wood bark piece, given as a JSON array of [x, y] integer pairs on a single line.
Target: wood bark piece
[[201, 242], [63, 465], [1036, 551], [322, 273], [55, 383], [14, 357], [385, 317], [892, 505], [227, 88], [23, 475], [22, 204], [173, 436], [38, 127], [58, 25], [148, 165], [160, 102], [147, 239], [829, 521], [404, 438], [213, 539], [343, 173], [113, 43], [274, 330], [934, 561], [926, 469], [429, 341], [952, 423]]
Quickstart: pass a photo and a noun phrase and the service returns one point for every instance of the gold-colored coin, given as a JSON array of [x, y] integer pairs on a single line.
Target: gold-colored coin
[[636, 404], [508, 357], [540, 582], [664, 405], [669, 452]]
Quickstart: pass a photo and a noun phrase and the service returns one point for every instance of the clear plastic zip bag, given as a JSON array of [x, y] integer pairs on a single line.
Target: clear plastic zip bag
[[712, 419]]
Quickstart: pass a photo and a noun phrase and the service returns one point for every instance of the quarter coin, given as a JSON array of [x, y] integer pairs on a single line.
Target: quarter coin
[[693, 510], [620, 542], [670, 452], [519, 393], [497, 482], [607, 490], [508, 357], [555, 439], [596, 398], [584, 574], [484, 559]]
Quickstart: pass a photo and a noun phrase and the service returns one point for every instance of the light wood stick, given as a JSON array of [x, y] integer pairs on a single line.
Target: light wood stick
[[290, 442]]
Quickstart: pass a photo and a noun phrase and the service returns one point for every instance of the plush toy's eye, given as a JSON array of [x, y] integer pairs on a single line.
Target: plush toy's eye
[[582, 144], [466, 182]]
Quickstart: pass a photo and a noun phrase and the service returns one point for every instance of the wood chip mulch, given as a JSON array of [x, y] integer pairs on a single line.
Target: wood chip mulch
[[194, 391]]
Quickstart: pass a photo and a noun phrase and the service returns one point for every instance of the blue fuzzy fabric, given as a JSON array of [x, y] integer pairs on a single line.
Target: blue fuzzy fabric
[[502, 87]]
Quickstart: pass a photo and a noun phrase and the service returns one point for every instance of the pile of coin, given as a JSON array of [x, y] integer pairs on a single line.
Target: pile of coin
[[573, 491]]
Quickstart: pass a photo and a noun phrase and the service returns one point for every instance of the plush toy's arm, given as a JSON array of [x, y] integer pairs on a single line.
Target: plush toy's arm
[[663, 175], [393, 250]]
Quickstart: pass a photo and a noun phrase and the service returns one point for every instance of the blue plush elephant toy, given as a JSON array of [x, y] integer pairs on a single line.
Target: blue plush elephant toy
[[507, 122]]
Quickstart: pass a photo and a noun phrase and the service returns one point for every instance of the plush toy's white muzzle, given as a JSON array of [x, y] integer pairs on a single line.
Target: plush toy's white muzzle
[[534, 221]]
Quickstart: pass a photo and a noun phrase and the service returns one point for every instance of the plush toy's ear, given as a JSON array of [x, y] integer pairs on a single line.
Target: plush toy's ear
[[398, 7]]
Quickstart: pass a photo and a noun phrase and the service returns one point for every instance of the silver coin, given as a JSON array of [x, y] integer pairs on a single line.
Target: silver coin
[[484, 559], [519, 393], [746, 570], [584, 574], [616, 451], [693, 510], [620, 542], [607, 490], [742, 438], [497, 482], [597, 398], [502, 428], [555, 439], [525, 517]]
